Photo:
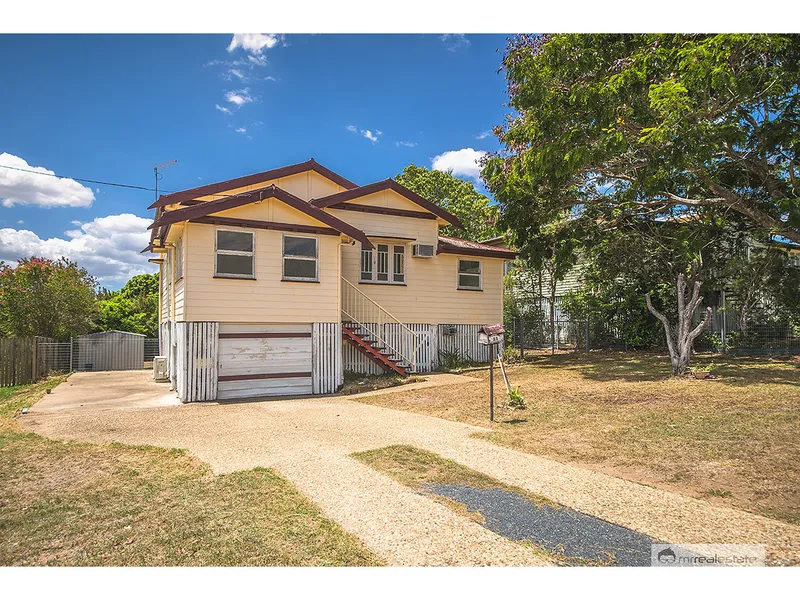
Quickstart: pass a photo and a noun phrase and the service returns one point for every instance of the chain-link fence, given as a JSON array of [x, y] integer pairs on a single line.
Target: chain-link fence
[[761, 332]]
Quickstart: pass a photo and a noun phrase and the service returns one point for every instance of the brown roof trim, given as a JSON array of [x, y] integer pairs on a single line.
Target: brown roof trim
[[156, 261], [152, 248], [215, 188], [212, 206], [472, 249], [254, 224], [387, 184], [378, 210]]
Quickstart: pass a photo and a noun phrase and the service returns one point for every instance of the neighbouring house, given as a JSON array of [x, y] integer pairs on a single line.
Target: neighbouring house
[[276, 283]]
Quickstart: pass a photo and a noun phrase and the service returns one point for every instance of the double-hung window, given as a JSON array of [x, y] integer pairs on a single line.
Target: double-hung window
[[469, 274], [384, 264], [235, 254], [300, 258]]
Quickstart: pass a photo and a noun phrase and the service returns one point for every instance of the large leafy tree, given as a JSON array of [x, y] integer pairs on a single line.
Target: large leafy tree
[[134, 308], [475, 210], [643, 129], [647, 125], [51, 298]]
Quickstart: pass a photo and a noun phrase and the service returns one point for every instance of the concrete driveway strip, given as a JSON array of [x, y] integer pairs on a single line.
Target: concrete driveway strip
[[107, 390], [309, 441]]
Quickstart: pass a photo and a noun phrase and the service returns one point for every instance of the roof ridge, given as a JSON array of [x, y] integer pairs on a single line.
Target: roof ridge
[[211, 188], [376, 186]]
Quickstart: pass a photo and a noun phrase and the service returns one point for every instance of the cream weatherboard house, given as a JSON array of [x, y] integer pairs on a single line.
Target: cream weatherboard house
[[276, 283]]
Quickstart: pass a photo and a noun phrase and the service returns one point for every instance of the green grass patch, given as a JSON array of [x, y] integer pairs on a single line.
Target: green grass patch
[[70, 503]]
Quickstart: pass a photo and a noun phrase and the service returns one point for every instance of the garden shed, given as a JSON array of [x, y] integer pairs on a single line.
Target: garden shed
[[109, 351]]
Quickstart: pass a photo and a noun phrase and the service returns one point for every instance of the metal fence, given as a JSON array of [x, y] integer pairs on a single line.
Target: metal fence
[[150, 349], [25, 360], [765, 333]]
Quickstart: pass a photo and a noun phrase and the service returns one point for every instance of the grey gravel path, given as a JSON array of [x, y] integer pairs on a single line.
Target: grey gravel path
[[556, 529]]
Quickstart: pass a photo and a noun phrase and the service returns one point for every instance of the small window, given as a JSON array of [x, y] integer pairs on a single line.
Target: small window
[[399, 264], [469, 274], [366, 264], [235, 254], [179, 260], [299, 258], [383, 262]]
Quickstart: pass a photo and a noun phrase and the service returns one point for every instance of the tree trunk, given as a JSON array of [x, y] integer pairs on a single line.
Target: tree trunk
[[680, 339]]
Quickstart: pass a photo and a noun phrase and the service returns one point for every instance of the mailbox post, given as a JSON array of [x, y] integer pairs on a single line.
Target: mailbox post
[[491, 335]]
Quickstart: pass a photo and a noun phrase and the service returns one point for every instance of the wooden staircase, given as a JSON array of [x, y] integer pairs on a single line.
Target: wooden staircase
[[369, 346], [376, 333]]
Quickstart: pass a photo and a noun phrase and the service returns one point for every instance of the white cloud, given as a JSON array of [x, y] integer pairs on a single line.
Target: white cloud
[[405, 144], [20, 222], [237, 73], [108, 247], [77, 223], [257, 59], [223, 109], [239, 97], [241, 130], [463, 163], [20, 187], [483, 135], [367, 133], [253, 43], [270, 78], [454, 41]]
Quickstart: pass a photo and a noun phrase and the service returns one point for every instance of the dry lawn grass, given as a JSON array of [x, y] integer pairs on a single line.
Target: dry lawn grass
[[733, 440], [86, 504]]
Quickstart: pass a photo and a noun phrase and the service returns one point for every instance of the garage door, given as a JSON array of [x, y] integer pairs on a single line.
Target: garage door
[[264, 360]]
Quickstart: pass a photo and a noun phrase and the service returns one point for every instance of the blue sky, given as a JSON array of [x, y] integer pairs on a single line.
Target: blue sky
[[111, 107]]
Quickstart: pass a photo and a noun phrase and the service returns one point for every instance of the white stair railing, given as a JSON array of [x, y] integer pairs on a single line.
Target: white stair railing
[[360, 309]]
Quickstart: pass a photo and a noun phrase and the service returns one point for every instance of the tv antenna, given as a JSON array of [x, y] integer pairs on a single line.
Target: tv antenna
[[158, 175]]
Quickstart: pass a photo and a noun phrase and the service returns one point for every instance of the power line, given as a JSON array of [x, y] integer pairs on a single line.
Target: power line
[[121, 185]]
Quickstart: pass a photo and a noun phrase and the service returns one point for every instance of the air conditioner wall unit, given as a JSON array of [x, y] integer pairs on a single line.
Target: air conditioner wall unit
[[422, 251], [160, 368]]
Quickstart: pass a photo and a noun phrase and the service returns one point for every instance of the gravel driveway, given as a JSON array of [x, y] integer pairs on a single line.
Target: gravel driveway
[[309, 440]]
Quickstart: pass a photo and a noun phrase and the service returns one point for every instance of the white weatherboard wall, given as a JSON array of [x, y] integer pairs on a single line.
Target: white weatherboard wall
[[254, 356]]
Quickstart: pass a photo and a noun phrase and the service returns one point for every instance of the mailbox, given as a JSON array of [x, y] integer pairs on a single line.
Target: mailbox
[[489, 335]]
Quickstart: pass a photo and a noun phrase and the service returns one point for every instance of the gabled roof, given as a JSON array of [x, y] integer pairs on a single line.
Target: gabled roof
[[222, 186], [213, 206], [387, 184], [449, 245]]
